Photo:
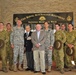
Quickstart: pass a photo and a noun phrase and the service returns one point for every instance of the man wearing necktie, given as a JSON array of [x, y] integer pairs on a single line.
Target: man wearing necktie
[[28, 48]]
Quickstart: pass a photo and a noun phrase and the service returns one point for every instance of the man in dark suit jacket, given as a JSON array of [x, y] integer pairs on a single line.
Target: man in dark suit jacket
[[28, 48], [38, 39]]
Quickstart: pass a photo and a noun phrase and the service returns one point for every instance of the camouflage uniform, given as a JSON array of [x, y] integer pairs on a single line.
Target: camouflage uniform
[[3, 36], [17, 38], [75, 47], [59, 54], [9, 50], [64, 50], [64, 43], [70, 39], [49, 42]]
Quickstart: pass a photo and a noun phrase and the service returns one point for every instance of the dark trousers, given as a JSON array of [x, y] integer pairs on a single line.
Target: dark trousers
[[30, 61]]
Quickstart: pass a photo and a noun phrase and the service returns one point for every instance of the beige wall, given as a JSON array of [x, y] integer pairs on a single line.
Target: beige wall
[[0, 11], [0, 14], [10, 7]]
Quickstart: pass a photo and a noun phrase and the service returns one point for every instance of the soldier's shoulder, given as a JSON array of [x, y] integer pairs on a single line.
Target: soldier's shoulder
[[74, 31], [22, 27], [66, 32], [4, 30], [61, 31], [52, 31], [43, 31], [14, 28]]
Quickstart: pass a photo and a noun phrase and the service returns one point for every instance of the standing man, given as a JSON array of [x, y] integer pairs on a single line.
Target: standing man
[[4, 38], [28, 48], [8, 47], [71, 43], [63, 28], [38, 39], [48, 46], [59, 54], [75, 48], [17, 43]]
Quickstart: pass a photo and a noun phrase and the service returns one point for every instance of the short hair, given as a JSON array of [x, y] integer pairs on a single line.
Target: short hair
[[27, 26], [8, 24], [45, 22], [2, 23], [38, 24], [19, 19], [70, 24], [57, 24], [63, 24]]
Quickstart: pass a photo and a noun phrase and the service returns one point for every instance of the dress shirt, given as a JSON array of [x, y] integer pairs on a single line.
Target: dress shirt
[[38, 34]]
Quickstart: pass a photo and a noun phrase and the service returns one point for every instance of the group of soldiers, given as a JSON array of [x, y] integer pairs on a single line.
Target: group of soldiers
[[14, 47], [6, 50], [67, 53]]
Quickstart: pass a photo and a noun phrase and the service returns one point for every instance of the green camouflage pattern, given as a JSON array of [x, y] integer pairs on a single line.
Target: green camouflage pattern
[[59, 54]]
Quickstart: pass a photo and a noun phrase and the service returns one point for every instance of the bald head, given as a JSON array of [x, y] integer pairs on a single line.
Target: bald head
[[38, 27]]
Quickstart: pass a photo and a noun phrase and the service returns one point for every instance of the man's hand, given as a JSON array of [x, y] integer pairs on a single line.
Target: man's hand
[[51, 47], [12, 45], [24, 49], [70, 45], [37, 45]]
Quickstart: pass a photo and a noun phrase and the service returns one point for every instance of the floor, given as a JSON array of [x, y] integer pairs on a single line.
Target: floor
[[53, 72], [31, 73]]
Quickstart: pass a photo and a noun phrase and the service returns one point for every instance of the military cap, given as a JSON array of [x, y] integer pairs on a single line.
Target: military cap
[[57, 44], [70, 51], [1, 43]]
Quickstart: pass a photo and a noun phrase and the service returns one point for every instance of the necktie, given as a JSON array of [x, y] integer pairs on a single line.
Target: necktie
[[27, 34]]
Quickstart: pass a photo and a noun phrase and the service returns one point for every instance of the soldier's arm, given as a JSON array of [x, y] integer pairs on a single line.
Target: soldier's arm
[[12, 37], [52, 38], [66, 37], [7, 37], [74, 42], [24, 40], [63, 37]]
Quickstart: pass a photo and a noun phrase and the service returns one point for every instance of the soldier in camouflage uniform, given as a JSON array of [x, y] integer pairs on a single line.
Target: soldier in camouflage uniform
[[3, 36], [63, 28], [59, 54], [70, 42], [75, 48], [8, 47], [48, 46], [17, 43]]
